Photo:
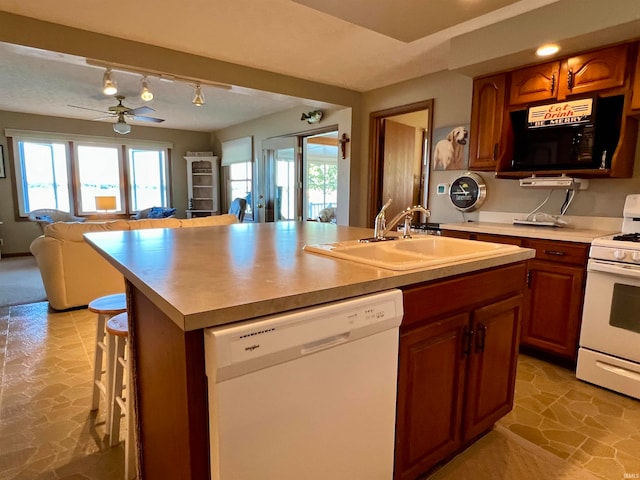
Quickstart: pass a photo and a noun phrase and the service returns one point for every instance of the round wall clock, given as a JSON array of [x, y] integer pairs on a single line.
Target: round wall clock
[[467, 192]]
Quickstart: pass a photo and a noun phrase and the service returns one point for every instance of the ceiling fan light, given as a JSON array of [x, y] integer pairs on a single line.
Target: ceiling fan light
[[109, 85], [121, 126], [146, 94], [198, 98]]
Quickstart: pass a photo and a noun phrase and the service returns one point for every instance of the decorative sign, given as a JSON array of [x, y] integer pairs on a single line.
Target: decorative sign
[[566, 113]]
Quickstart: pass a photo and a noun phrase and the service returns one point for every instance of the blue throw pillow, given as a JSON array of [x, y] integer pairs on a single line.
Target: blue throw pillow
[[160, 212]]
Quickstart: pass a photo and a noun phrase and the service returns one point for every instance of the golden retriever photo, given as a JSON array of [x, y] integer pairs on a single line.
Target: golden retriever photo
[[449, 152]]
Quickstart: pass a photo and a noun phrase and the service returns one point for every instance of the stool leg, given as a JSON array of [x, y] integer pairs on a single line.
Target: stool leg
[[130, 470], [111, 357], [116, 390], [97, 367]]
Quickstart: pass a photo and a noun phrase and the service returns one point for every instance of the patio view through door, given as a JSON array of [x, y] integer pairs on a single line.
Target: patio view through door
[[301, 174]]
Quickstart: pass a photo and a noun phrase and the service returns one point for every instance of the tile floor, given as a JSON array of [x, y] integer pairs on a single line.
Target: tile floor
[[48, 432]]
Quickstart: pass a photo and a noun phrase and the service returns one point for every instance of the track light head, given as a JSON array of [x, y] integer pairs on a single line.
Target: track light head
[[198, 98], [109, 85], [121, 126], [146, 94]]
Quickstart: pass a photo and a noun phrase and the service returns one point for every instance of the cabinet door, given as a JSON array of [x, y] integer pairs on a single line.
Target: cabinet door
[[492, 364], [430, 395], [593, 71], [487, 114], [635, 100], [554, 306], [533, 84]]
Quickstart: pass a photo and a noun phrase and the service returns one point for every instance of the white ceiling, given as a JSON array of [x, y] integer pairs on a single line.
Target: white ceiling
[[355, 44]]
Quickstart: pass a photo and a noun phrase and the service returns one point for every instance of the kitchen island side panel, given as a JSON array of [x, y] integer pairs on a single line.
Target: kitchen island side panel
[[171, 394]]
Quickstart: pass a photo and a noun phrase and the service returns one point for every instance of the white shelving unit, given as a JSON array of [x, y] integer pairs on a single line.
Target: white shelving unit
[[203, 181]]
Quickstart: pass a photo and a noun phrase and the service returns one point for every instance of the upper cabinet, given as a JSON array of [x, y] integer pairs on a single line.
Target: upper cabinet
[[534, 84], [635, 100], [487, 115], [589, 72], [501, 128]]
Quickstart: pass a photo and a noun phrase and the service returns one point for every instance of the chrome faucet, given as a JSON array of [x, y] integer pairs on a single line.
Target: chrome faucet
[[381, 228], [407, 214]]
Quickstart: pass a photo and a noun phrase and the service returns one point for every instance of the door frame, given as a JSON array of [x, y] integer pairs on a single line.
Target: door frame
[[376, 148]]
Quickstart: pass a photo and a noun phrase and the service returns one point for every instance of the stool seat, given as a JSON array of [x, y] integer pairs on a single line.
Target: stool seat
[[109, 304], [118, 325]]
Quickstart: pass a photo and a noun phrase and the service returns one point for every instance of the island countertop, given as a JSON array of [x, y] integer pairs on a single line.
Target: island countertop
[[208, 276]]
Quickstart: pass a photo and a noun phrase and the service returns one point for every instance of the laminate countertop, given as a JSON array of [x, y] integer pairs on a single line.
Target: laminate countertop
[[567, 233], [208, 276]]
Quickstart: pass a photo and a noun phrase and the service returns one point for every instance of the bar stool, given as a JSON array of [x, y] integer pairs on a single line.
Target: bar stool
[[118, 332], [106, 307]]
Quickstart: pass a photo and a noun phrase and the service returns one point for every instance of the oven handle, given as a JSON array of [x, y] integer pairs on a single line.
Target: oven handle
[[624, 269]]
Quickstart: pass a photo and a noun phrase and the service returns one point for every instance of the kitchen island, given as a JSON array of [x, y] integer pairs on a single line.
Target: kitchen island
[[180, 281]]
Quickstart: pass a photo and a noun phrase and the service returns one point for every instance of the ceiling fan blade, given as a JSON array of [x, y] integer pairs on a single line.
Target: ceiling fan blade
[[109, 117], [140, 110], [147, 119], [85, 108]]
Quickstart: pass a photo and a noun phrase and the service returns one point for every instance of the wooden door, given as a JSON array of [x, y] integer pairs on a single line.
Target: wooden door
[[635, 101], [554, 301], [430, 395], [593, 71], [487, 114], [492, 365], [402, 166], [533, 84]]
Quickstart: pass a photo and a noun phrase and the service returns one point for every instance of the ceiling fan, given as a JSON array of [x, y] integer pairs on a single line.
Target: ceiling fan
[[122, 112]]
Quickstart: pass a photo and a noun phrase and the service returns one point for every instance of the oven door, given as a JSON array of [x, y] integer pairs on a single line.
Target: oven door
[[610, 319]]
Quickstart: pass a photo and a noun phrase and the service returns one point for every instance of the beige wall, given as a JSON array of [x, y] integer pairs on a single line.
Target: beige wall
[[452, 106], [18, 233]]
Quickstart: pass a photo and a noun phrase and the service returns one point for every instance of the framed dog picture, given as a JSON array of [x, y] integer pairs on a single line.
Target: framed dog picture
[[451, 148]]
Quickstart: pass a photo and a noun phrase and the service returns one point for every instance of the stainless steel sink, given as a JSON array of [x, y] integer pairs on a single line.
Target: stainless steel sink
[[407, 254]]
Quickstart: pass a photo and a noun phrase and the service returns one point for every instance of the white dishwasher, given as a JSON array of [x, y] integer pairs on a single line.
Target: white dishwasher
[[309, 394]]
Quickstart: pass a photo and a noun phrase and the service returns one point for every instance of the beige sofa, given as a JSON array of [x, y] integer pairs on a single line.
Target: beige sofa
[[74, 274]]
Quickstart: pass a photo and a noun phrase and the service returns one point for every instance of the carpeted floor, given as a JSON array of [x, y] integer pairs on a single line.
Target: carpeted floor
[[20, 281]]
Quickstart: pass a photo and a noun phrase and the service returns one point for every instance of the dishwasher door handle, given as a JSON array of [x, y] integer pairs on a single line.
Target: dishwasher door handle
[[324, 343]]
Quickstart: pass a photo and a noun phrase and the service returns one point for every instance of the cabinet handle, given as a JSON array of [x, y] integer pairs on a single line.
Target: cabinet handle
[[553, 83], [528, 279], [570, 78], [495, 152], [466, 339], [555, 252], [482, 333]]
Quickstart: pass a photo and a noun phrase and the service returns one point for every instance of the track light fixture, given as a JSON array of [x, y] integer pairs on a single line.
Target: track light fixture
[[109, 85], [121, 126], [146, 94], [198, 98]]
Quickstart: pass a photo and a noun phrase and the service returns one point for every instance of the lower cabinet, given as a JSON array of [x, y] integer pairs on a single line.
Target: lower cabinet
[[457, 364], [554, 294]]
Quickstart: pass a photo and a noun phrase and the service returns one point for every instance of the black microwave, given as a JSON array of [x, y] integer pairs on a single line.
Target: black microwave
[[577, 134]]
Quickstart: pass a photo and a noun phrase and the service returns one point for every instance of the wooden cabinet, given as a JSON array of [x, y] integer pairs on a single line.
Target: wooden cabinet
[[593, 71], [590, 72], [534, 84], [554, 294], [203, 186], [487, 117], [635, 100], [457, 364]]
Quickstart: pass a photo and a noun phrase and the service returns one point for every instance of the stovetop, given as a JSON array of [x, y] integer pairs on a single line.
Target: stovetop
[[627, 237]]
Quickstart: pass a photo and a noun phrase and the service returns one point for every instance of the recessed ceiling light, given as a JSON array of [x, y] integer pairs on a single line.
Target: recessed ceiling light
[[546, 50]]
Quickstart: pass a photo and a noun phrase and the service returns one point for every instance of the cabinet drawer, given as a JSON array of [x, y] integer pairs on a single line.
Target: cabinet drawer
[[561, 252], [427, 302]]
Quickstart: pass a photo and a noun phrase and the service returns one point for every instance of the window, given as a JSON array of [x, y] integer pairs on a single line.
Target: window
[[46, 162]]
